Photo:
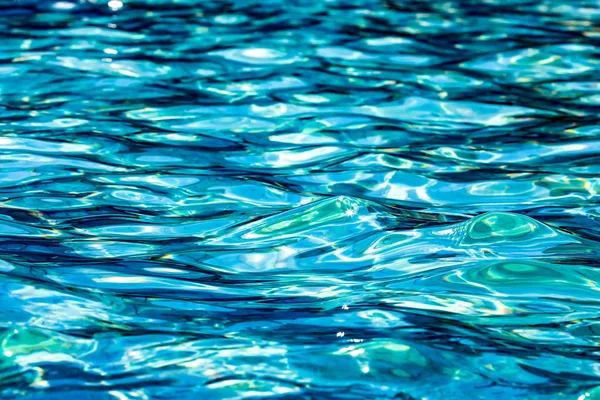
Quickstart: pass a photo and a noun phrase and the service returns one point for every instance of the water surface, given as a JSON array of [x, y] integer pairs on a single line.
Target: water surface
[[297, 199]]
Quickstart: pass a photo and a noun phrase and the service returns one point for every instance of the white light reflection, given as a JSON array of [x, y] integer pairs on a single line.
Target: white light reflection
[[115, 5]]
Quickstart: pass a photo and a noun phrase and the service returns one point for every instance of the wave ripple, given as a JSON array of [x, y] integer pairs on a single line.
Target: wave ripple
[[293, 199]]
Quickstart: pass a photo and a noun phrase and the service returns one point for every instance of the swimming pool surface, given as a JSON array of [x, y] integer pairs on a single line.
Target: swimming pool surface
[[289, 199]]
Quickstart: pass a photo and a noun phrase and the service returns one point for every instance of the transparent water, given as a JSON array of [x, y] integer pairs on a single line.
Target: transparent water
[[299, 199]]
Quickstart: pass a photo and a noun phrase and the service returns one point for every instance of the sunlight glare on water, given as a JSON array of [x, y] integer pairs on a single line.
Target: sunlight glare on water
[[294, 199]]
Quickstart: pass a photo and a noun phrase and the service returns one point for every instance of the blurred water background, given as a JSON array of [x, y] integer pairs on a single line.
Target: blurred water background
[[299, 199]]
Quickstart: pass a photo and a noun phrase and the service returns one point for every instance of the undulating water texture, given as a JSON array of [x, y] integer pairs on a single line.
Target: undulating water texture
[[299, 199]]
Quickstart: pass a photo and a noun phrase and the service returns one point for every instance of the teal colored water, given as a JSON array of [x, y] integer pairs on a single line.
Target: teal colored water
[[294, 199]]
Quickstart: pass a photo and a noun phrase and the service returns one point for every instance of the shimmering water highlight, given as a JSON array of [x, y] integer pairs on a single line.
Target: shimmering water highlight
[[293, 199]]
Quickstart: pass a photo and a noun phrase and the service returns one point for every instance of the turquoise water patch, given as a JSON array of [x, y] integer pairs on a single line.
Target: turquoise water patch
[[293, 199]]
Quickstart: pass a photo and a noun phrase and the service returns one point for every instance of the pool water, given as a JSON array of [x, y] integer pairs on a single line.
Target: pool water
[[299, 199]]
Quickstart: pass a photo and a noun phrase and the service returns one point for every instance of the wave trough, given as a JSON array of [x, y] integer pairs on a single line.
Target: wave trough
[[342, 199]]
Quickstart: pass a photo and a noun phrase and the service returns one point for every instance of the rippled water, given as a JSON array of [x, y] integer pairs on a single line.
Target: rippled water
[[347, 199]]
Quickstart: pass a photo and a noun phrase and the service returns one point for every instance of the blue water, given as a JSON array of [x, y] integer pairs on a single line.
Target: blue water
[[294, 199]]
